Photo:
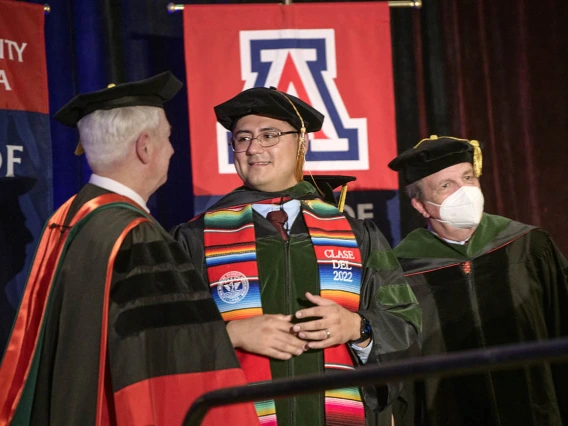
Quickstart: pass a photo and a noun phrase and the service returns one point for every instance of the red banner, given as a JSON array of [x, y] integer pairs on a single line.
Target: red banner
[[25, 149], [23, 75], [335, 56]]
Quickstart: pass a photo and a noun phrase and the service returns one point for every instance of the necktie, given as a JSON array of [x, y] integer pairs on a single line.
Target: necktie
[[278, 218]]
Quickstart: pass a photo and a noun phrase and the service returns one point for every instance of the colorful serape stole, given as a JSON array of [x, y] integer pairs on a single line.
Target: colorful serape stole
[[229, 240], [337, 253]]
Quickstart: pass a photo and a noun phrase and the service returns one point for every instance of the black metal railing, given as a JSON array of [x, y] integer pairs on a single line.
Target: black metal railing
[[451, 364]]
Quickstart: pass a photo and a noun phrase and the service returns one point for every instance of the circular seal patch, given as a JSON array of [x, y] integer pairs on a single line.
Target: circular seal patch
[[233, 287]]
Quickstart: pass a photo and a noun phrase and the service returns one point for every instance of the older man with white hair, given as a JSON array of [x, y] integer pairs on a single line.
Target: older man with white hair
[[115, 325]]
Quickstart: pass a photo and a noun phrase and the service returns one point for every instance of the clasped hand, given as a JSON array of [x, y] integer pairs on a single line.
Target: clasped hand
[[333, 324], [277, 337]]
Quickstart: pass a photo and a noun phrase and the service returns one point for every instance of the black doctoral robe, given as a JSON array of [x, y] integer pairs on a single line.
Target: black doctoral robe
[[507, 285], [166, 340]]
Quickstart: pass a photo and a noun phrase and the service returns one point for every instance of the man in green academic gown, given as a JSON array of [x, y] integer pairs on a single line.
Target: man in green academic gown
[[481, 280], [303, 287], [116, 327]]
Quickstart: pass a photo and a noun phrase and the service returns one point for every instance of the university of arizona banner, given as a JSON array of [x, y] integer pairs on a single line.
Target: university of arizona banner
[[335, 56], [25, 149]]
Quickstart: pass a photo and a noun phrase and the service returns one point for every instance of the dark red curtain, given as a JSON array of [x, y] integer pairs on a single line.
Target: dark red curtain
[[497, 71]]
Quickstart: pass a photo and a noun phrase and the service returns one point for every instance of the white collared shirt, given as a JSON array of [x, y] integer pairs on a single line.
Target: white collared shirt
[[459, 243], [120, 189]]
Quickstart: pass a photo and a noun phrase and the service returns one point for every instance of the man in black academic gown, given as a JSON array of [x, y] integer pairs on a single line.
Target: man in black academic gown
[[115, 326], [482, 280], [304, 288]]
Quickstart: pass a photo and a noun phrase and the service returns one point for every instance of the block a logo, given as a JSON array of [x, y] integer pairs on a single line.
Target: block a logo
[[303, 63]]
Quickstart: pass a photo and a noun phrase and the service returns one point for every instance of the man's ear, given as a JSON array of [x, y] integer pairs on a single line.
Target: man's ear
[[144, 148], [419, 206]]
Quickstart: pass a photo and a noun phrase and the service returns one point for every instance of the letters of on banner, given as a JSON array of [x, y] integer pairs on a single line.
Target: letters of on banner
[[25, 149]]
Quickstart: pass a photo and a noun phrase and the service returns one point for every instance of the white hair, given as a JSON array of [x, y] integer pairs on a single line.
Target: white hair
[[107, 135], [415, 190]]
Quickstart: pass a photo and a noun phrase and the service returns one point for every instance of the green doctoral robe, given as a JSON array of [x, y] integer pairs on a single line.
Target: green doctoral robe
[[287, 269], [507, 285]]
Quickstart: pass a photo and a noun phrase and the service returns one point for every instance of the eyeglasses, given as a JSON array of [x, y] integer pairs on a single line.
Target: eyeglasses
[[270, 138]]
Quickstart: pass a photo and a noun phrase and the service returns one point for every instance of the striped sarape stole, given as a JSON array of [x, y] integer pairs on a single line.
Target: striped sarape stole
[[230, 253]]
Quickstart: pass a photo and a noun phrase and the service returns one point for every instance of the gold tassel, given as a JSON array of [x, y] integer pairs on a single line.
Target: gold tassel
[[79, 150], [477, 158], [342, 197], [301, 157], [431, 138]]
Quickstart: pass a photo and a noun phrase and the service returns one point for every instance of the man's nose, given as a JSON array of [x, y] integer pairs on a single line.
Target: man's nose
[[255, 147]]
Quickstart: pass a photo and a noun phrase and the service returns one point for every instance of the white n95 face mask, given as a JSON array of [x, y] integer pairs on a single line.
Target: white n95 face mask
[[463, 209]]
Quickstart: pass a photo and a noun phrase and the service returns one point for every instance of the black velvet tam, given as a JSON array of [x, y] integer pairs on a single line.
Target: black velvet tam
[[153, 91], [432, 155], [334, 181], [326, 184], [270, 103]]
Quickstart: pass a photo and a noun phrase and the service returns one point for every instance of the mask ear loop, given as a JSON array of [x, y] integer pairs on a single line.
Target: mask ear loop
[[301, 156]]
